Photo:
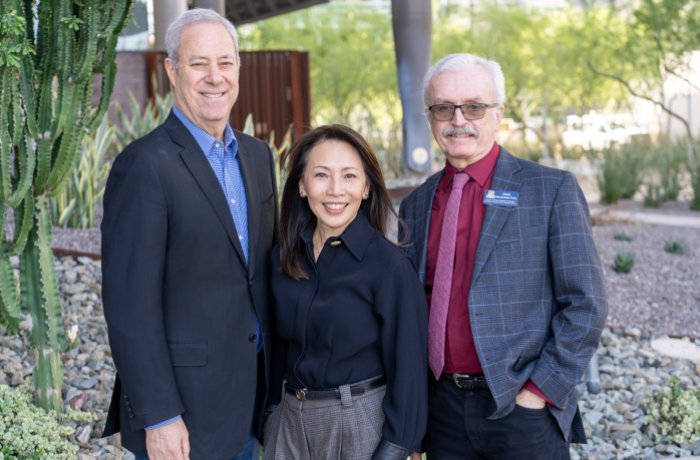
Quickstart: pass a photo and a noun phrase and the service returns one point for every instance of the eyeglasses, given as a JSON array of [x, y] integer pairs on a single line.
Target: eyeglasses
[[470, 110]]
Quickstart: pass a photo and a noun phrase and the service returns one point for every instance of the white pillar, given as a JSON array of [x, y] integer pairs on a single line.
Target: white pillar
[[164, 13], [217, 5]]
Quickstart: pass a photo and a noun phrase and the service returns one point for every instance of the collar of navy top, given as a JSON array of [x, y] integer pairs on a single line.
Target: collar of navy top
[[356, 237]]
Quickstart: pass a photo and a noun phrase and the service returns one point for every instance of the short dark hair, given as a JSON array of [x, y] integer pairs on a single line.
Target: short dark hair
[[295, 214]]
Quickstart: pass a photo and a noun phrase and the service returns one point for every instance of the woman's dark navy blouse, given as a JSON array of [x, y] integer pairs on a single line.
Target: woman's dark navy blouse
[[361, 313]]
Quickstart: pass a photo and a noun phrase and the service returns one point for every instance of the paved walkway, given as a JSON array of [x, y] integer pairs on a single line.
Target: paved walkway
[[676, 214]]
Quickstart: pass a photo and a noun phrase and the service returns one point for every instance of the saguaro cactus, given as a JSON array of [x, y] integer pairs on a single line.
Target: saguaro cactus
[[50, 54]]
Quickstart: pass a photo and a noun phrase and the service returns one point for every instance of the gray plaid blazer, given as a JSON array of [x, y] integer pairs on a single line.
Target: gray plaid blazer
[[537, 303]]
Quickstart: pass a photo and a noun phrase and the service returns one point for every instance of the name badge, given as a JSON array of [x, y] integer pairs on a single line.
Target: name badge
[[500, 198]]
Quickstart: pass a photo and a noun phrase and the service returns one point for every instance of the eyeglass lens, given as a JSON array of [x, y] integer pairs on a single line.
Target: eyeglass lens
[[470, 111]]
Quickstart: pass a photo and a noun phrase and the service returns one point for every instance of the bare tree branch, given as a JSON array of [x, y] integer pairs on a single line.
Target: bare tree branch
[[659, 104]]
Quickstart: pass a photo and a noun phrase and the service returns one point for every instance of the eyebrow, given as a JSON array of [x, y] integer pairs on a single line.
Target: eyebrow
[[206, 58], [343, 168]]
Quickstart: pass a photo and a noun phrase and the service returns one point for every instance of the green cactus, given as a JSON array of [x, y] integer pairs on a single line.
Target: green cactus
[[47, 81]]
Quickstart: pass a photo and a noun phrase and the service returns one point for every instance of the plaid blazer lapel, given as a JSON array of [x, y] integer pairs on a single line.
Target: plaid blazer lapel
[[503, 179], [424, 206]]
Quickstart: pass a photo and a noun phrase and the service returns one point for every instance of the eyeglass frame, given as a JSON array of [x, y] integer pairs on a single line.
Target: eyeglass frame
[[482, 105]]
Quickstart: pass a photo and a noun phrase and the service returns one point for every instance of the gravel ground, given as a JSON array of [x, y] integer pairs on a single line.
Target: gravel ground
[[660, 297], [662, 291]]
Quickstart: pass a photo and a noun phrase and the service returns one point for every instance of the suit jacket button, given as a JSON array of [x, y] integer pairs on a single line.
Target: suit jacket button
[[252, 338]]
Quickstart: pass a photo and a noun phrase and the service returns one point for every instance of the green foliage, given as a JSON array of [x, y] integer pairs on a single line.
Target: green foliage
[[664, 168], [548, 41], [277, 150], [353, 67], [561, 65], [12, 27], [74, 206], [51, 56], [622, 236], [28, 432], [624, 261], [655, 46], [133, 122], [620, 173], [674, 247], [694, 171], [676, 412]]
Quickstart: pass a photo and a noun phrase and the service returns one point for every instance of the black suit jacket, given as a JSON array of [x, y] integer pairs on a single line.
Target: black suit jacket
[[180, 302]]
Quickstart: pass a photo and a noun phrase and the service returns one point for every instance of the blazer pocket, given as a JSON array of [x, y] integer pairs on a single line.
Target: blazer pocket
[[188, 354]]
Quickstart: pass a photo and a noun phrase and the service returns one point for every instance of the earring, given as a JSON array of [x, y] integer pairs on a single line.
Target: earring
[[365, 196], [302, 194]]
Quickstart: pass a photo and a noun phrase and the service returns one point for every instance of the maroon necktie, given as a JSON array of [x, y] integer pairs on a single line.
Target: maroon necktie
[[442, 283]]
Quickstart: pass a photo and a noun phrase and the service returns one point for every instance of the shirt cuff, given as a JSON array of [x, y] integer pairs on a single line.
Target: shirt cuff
[[530, 385], [164, 423]]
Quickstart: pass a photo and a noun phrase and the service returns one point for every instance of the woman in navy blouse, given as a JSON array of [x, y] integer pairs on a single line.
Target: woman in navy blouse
[[349, 312]]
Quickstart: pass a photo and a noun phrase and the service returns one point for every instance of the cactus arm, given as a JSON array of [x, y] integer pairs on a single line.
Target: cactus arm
[[43, 158], [106, 64], [9, 302], [5, 136], [52, 305], [24, 168], [87, 46], [10, 312], [67, 158], [39, 298], [23, 224]]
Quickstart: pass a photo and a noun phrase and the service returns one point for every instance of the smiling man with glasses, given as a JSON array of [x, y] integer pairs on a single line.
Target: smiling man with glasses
[[512, 278]]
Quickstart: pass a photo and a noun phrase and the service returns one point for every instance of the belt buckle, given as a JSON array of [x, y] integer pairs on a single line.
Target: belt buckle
[[456, 379], [300, 394]]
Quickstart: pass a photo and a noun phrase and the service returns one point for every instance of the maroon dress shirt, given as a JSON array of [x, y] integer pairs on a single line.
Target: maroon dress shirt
[[460, 352]]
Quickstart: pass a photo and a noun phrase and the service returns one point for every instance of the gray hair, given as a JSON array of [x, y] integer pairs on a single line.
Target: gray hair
[[196, 16], [463, 61]]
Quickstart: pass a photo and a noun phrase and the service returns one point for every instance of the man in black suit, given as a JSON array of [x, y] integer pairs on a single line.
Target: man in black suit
[[190, 215]]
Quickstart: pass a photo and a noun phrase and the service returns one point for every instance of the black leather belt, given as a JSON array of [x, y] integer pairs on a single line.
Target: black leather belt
[[471, 382], [302, 394]]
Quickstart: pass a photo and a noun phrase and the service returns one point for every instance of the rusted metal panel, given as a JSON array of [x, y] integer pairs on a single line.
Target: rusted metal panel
[[275, 90]]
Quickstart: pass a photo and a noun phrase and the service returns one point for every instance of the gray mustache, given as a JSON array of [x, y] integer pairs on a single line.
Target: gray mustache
[[460, 131]]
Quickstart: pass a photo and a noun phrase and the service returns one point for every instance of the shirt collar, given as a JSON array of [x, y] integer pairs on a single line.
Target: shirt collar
[[479, 171], [205, 140], [356, 236]]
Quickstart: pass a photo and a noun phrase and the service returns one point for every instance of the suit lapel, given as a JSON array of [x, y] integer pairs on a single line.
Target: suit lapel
[[245, 161], [424, 206], [200, 168], [496, 216]]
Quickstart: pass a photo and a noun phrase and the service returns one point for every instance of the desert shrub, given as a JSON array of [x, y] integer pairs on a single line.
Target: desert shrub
[[675, 412], [665, 167], [674, 247], [622, 236], [620, 173], [624, 261], [28, 432]]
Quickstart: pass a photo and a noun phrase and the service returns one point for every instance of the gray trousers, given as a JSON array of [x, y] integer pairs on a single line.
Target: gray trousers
[[329, 429]]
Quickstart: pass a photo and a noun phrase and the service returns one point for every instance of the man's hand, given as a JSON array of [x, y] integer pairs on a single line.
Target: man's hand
[[415, 456], [169, 442], [529, 400]]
